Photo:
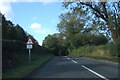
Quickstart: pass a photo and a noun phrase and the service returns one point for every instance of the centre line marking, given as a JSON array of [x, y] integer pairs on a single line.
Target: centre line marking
[[95, 73], [74, 61]]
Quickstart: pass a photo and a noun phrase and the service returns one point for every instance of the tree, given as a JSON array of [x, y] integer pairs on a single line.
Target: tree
[[75, 33], [70, 25], [8, 29], [106, 14], [96, 39], [20, 33], [53, 42]]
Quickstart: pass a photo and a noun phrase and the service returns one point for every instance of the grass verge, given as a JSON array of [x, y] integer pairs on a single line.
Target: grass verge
[[102, 52], [25, 69], [104, 58]]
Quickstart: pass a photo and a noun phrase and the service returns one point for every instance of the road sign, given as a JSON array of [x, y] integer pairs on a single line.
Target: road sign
[[29, 41], [29, 46]]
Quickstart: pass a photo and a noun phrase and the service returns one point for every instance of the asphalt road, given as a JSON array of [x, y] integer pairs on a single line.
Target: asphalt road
[[71, 67]]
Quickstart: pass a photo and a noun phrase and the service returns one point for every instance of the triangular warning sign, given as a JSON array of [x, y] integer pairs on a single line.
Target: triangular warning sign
[[29, 41]]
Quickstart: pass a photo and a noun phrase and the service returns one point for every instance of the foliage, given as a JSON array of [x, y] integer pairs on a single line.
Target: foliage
[[60, 46], [104, 15], [90, 24], [8, 31], [20, 33], [114, 49], [14, 52], [74, 32], [53, 42], [24, 70], [102, 52]]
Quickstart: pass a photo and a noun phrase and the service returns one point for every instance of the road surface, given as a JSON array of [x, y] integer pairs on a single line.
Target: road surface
[[71, 67]]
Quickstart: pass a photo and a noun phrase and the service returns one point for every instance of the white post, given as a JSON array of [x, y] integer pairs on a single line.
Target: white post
[[29, 56]]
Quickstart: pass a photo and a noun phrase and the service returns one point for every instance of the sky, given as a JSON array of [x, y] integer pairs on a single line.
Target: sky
[[37, 18]]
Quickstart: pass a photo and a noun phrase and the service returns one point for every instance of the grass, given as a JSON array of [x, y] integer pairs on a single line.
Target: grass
[[97, 52], [25, 69], [106, 58]]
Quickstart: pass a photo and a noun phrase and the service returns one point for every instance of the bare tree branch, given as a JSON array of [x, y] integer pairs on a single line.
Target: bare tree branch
[[97, 11]]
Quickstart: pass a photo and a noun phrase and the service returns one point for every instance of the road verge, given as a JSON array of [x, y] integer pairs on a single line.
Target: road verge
[[26, 69]]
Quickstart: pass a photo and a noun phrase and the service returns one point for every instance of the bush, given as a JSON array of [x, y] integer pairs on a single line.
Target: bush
[[14, 53], [114, 49], [90, 50], [109, 50]]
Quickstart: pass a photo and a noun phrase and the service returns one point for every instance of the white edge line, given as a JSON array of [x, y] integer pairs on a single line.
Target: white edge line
[[68, 58], [74, 61], [94, 72]]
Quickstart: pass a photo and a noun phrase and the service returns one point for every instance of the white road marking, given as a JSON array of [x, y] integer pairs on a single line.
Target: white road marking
[[71, 59], [95, 73], [74, 61], [68, 58]]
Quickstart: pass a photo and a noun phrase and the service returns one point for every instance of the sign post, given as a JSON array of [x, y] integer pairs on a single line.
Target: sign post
[[29, 56], [29, 46]]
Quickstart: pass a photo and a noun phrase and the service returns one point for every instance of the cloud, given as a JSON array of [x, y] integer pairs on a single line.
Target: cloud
[[40, 31], [35, 26], [5, 8], [38, 28]]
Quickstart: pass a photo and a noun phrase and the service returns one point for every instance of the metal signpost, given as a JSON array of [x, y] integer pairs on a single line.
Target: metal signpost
[[29, 46]]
